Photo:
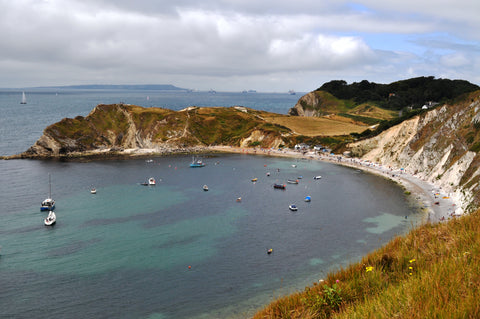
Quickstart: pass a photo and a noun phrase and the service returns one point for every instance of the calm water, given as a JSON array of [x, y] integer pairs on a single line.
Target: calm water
[[125, 252]]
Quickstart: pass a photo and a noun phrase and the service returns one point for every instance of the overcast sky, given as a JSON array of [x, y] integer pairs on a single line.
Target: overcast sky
[[232, 45]]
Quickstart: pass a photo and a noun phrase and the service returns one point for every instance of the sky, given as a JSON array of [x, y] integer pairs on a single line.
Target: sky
[[235, 45]]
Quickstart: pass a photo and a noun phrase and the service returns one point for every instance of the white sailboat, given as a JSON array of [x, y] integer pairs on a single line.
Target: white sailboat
[[49, 203], [24, 99], [51, 219]]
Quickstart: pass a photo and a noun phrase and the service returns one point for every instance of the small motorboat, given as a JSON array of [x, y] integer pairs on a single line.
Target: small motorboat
[[93, 190], [293, 207], [205, 188], [239, 199], [279, 186], [292, 181], [196, 162], [51, 219], [293, 165], [269, 251], [317, 177], [254, 179], [308, 199], [151, 182], [268, 173]]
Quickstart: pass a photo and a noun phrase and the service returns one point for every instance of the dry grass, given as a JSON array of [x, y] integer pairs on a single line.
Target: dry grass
[[433, 272], [317, 126]]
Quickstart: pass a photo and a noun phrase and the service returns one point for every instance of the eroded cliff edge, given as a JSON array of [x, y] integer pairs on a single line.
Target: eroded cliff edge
[[118, 128], [440, 146]]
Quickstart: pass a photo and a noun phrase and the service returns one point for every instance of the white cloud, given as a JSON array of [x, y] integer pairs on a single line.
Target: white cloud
[[201, 44]]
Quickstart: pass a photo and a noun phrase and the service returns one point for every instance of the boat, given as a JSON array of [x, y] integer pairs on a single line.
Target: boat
[[205, 187], [239, 199], [308, 199], [268, 173], [93, 190], [48, 203], [317, 177], [279, 186], [254, 179], [24, 99], [291, 92], [269, 251], [51, 219], [294, 166], [196, 162], [151, 182], [292, 181], [293, 207]]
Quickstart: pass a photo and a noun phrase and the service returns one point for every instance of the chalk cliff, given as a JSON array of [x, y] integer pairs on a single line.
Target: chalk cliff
[[440, 146]]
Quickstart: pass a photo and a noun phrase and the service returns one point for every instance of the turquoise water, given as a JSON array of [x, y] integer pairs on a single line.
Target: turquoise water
[[175, 251]]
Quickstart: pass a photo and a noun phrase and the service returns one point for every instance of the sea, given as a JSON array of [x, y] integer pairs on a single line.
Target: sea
[[173, 250]]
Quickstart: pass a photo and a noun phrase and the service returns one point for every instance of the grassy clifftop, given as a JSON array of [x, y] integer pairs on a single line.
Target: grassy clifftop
[[433, 272], [120, 126]]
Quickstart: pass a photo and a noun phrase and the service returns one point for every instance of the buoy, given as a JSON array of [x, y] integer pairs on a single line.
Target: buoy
[[189, 267]]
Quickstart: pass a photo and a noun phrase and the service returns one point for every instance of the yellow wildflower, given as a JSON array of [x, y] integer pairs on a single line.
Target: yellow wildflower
[[369, 268]]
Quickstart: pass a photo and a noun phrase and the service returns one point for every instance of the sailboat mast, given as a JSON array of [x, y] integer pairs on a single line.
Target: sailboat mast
[[49, 186]]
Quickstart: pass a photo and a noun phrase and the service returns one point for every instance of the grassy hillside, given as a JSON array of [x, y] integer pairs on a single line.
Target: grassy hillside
[[433, 272], [370, 103]]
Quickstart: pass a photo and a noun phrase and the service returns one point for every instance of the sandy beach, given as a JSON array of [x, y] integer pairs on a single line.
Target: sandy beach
[[438, 206]]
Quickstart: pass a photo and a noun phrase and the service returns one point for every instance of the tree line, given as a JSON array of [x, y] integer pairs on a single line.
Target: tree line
[[414, 92]]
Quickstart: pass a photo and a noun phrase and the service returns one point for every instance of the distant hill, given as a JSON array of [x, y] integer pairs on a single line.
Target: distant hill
[[157, 87]]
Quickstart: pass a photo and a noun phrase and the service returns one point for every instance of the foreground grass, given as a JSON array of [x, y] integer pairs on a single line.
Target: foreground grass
[[433, 272]]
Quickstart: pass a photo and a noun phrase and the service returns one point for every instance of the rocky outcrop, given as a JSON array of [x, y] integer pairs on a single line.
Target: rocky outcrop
[[121, 128], [440, 146], [308, 105]]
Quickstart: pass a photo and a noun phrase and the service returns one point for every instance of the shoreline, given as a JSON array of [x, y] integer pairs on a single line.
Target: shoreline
[[439, 206]]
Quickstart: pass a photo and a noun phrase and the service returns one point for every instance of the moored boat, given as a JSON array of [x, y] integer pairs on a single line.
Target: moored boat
[[317, 177], [292, 181], [279, 186], [254, 179], [197, 162], [293, 207], [93, 190], [48, 203], [205, 188], [51, 219], [308, 199], [151, 182]]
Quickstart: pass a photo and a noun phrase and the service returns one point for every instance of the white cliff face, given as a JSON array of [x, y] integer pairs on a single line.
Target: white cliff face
[[429, 147]]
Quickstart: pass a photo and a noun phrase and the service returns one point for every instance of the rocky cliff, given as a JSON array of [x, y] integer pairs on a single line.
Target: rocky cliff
[[440, 146], [121, 127]]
